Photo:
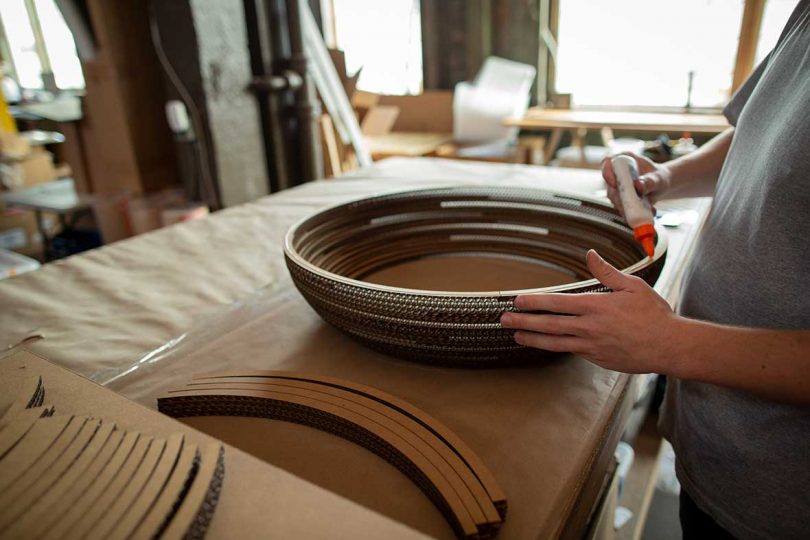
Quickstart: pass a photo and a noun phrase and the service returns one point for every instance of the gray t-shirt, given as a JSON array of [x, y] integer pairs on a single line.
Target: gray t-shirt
[[744, 460]]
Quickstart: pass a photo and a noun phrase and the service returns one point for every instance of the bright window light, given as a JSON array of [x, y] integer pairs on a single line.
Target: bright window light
[[21, 43], [385, 40], [640, 53], [58, 44], [773, 21], [67, 70]]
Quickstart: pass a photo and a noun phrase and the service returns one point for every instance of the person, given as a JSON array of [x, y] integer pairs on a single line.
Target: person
[[737, 353]]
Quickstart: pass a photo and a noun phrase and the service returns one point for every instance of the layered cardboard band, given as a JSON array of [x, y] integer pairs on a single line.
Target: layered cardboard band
[[431, 455], [336, 256], [74, 476]]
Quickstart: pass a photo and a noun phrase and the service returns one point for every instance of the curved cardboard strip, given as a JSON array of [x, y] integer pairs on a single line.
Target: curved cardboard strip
[[373, 412], [41, 466], [32, 395], [170, 496], [91, 497], [152, 490], [130, 493], [443, 432], [340, 421], [197, 507], [454, 469], [113, 491], [19, 426], [18, 460], [33, 523], [69, 454], [74, 493]]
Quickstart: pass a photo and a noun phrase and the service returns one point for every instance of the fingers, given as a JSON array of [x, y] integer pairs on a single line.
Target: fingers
[[550, 343], [545, 324], [569, 304], [648, 184], [615, 200], [607, 275], [607, 172], [644, 165]]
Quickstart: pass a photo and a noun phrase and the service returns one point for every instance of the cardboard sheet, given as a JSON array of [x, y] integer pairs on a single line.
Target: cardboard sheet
[[255, 497], [35, 520], [145, 314]]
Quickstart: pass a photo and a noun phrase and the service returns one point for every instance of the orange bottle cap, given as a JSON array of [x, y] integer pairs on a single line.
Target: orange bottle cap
[[645, 234]]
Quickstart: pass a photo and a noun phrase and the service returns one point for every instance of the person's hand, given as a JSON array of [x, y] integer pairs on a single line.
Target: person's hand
[[653, 179], [626, 330]]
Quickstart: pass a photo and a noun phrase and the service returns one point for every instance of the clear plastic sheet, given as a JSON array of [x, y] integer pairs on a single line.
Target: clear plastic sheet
[[263, 323]]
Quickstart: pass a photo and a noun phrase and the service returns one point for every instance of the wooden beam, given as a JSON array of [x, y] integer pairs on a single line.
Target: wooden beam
[[332, 163], [544, 15], [554, 27], [749, 37], [39, 39], [430, 45], [474, 36]]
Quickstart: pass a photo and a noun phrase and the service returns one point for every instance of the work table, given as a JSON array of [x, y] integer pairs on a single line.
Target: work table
[[142, 315]]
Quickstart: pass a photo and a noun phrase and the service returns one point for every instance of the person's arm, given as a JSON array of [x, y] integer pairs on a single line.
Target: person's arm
[[634, 330], [693, 175]]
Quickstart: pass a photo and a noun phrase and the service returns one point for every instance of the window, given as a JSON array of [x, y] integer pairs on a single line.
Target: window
[[40, 43], [384, 39], [773, 21], [626, 53]]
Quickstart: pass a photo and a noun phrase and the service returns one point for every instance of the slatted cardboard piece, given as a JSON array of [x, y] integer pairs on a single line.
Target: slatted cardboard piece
[[78, 461]]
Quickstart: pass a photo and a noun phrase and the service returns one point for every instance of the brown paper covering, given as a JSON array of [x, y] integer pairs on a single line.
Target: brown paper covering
[[144, 314]]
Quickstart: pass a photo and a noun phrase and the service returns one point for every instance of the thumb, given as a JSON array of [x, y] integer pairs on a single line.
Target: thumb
[[607, 275], [646, 184]]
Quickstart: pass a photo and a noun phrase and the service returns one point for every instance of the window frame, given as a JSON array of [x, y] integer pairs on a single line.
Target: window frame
[[41, 50], [753, 12], [745, 56]]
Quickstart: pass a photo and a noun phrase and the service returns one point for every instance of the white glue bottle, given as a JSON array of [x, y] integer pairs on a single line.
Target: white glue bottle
[[638, 211]]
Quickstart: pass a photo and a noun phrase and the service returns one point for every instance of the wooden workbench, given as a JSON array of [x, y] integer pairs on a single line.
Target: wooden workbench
[[578, 120], [541, 118], [143, 314], [405, 144]]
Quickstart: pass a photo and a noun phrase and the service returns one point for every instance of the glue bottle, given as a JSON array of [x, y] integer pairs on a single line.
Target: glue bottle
[[638, 211]]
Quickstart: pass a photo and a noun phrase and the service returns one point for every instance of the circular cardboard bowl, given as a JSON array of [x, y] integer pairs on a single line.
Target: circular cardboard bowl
[[425, 275]]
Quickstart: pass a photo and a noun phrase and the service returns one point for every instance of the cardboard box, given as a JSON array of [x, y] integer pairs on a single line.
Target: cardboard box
[[38, 167], [110, 213], [145, 212], [123, 215], [19, 231], [428, 112], [13, 146], [35, 168], [170, 216], [379, 120]]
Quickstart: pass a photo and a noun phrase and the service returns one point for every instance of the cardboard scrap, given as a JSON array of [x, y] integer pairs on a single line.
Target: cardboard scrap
[[72, 476], [125, 471], [395, 431]]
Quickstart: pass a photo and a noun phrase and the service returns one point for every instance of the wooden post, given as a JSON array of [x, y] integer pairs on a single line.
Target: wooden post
[[749, 37]]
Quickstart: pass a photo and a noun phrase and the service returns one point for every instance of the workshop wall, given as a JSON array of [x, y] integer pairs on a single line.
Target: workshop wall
[[233, 113], [126, 141], [458, 35]]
